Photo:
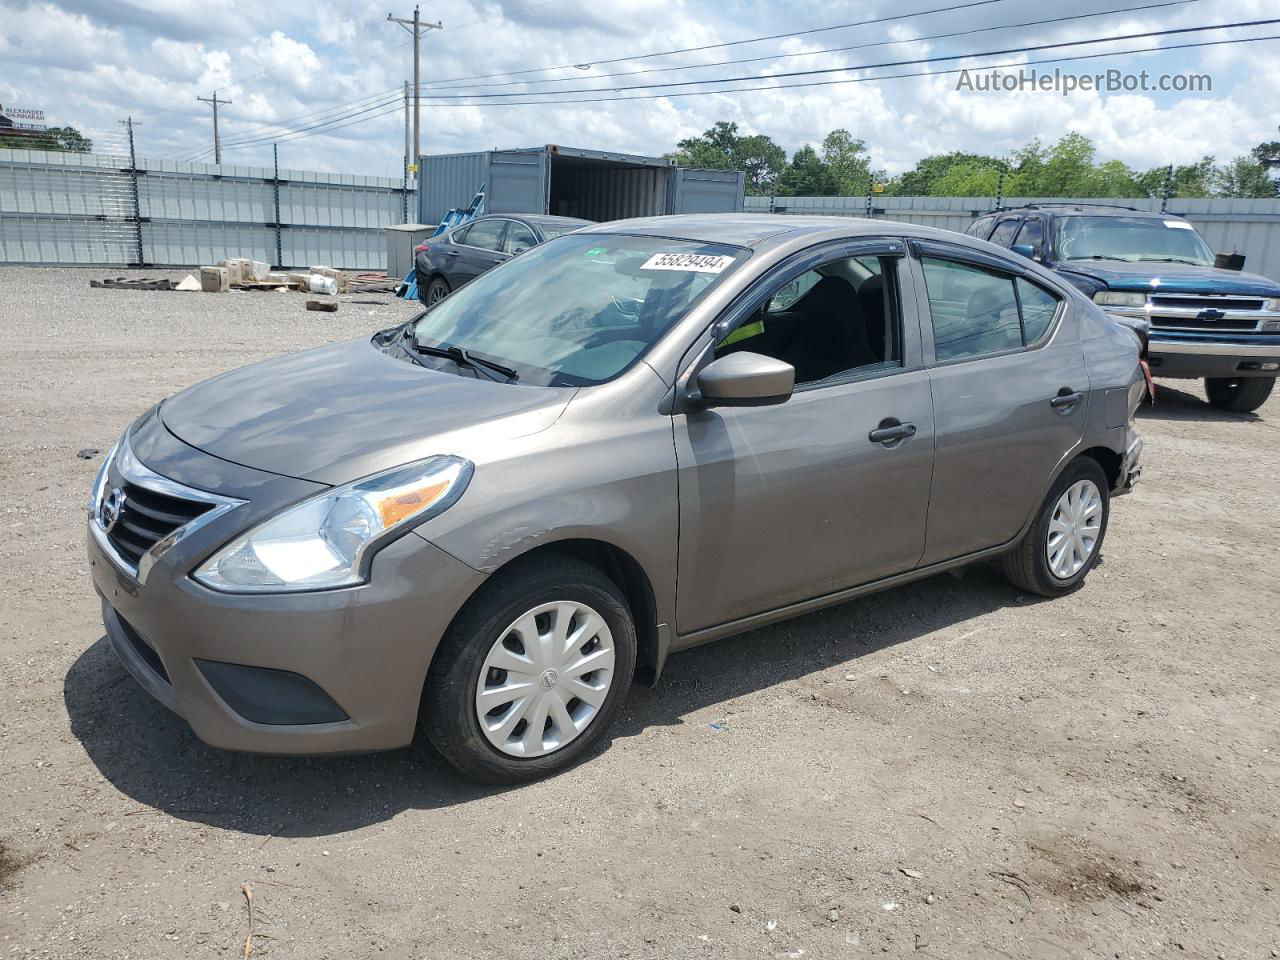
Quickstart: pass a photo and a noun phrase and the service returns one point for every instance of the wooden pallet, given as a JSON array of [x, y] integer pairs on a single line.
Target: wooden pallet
[[133, 283]]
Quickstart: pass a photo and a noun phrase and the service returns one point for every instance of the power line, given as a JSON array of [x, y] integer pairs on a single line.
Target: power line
[[857, 46], [869, 66], [317, 126], [300, 136], [893, 76], [731, 43]]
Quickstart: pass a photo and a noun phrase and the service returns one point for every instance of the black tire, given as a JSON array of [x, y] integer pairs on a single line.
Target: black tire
[[1242, 395], [449, 717], [1027, 565], [437, 289]]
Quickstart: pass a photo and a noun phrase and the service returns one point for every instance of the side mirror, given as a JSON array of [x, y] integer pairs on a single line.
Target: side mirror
[[1026, 250], [745, 380]]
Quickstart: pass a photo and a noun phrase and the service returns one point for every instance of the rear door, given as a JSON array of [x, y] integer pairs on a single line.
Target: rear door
[[785, 503], [477, 248], [1010, 391]]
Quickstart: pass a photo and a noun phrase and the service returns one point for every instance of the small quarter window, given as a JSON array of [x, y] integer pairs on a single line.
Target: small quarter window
[[1038, 308]]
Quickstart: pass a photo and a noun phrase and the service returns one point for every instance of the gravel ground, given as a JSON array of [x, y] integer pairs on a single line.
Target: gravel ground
[[949, 768]]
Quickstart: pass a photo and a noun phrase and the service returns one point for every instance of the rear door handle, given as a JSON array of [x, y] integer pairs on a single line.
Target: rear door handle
[[891, 431], [1066, 398]]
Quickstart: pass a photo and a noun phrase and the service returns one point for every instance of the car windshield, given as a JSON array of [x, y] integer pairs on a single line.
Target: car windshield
[[1133, 239], [578, 310]]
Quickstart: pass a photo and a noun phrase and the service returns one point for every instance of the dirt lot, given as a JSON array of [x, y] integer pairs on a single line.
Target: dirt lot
[[949, 769]]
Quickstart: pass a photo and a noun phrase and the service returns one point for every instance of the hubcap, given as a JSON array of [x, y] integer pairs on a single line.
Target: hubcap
[[1074, 529], [545, 679]]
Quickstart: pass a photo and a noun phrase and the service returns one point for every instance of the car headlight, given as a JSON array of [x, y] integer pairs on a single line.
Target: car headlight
[[1273, 305], [322, 543], [1118, 298]]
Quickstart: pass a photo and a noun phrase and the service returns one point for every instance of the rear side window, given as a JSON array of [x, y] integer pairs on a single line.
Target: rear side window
[[977, 311], [485, 234], [1005, 231], [980, 227], [1038, 307], [519, 238]]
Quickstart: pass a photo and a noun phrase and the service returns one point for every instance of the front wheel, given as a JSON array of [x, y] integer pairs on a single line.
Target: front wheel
[[531, 672], [1065, 540], [1240, 395]]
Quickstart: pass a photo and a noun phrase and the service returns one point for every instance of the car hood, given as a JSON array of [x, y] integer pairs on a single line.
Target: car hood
[[1174, 278], [344, 411]]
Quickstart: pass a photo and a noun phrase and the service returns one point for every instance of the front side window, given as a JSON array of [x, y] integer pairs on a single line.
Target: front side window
[[1134, 239], [839, 318], [519, 239], [1005, 231], [976, 311], [1032, 233], [485, 234], [580, 309]]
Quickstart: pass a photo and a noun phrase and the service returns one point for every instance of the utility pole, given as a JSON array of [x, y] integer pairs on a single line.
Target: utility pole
[[404, 171], [417, 26], [217, 143]]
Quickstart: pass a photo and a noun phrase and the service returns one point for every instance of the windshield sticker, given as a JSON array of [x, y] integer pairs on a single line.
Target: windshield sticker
[[1178, 225], [687, 262]]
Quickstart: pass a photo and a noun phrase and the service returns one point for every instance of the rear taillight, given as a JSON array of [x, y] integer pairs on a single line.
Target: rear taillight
[[421, 248]]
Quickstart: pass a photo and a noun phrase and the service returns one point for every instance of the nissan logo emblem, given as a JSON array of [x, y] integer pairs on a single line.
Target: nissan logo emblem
[[111, 507]]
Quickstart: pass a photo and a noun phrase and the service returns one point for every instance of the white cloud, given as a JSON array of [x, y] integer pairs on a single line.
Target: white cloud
[[91, 62]]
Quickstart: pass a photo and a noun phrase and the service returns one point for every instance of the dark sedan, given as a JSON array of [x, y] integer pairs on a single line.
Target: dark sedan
[[446, 262]]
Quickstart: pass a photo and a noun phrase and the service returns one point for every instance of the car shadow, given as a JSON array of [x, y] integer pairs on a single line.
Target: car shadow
[[1174, 404], [151, 755]]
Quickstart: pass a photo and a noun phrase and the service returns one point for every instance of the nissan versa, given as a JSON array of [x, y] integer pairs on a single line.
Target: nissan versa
[[629, 440]]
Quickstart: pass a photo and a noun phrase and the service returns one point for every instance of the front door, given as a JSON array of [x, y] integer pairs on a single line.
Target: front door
[[830, 489], [1010, 391]]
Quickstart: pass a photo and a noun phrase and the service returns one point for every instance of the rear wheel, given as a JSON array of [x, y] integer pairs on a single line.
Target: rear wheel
[[436, 291], [1240, 395], [1065, 540], [532, 671]]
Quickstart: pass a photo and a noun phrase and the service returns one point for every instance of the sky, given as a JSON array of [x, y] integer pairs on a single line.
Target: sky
[[292, 64]]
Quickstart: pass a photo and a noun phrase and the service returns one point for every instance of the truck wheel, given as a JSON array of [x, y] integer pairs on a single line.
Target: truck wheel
[[1065, 540], [531, 672], [1243, 395]]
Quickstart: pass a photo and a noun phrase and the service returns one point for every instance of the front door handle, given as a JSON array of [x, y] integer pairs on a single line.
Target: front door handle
[[1066, 399], [453, 253], [891, 431]]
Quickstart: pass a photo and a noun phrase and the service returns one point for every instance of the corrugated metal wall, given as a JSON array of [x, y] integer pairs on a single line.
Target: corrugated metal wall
[[59, 208], [449, 181], [1248, 226]]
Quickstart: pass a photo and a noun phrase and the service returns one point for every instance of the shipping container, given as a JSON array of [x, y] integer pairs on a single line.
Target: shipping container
[[569, 182]]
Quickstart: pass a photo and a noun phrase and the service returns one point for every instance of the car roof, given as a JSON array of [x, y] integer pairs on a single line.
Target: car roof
[[537, 219], [1088, 209], [755, 230]]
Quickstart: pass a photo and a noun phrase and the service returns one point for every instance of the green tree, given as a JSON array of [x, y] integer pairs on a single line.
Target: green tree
[[722, 148], [807, 176], [1068, 168], [64, 139], [1189, 180], [848, 161], [973, 179], [922, 179], [1243, 177]]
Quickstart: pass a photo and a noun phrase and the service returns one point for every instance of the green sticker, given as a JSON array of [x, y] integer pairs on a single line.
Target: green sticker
[[594, 252]]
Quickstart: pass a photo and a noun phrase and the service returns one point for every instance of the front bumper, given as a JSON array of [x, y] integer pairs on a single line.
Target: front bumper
[[1192, 359], [321, 672]]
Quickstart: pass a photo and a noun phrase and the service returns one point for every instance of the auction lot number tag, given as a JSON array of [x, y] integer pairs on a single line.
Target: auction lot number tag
[[687, 262]]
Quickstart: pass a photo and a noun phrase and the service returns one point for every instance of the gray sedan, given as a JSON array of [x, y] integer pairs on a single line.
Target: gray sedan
[[487, 523]]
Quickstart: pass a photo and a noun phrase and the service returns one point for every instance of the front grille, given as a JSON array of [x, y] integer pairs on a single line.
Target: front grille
[[1195, 323], [1207, 303], [147, 517]]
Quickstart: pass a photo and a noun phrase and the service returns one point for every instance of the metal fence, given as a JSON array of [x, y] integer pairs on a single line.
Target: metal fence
[[104, 210], [1248, 226]]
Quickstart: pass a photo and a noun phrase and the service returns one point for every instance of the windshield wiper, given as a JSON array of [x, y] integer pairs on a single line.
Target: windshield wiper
[[463, 358], [1194, 263], [1098, 256]]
